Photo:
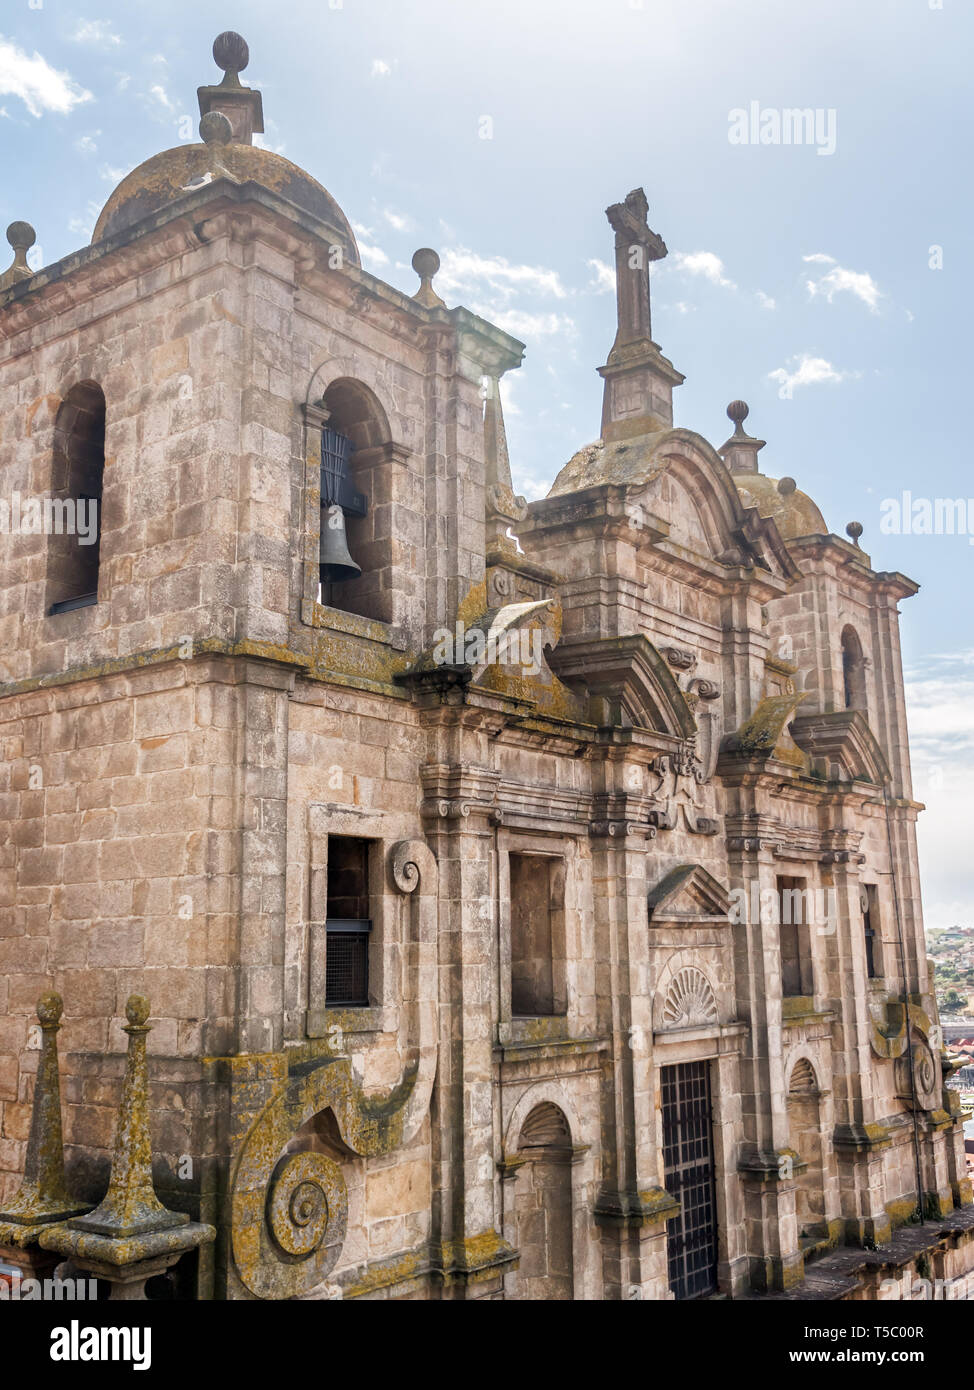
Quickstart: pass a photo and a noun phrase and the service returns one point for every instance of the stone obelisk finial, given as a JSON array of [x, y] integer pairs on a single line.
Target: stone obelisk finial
[[638, 379], [242, 106], [504, 509], [131, 1236], [43, 1195], [130, 1206]]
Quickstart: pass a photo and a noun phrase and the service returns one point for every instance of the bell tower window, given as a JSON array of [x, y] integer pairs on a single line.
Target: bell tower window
[[74, 549], [355, 554], [853, 670]]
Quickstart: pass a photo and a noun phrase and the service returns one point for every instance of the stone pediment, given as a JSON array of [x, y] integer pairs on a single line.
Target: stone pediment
[[842, 746], [626, 681], [688, 895]]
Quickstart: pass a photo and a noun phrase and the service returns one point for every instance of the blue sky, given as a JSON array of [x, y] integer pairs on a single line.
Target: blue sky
[[799, 281]]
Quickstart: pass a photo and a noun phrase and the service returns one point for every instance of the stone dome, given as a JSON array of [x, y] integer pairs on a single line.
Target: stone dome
[[794, 513], [622, 461], [173, 174]]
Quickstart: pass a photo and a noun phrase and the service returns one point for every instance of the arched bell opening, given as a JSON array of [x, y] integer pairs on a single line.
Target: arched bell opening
[[356, 542]]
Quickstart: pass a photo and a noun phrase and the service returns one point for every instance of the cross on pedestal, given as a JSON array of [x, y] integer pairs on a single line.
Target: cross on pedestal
[[636, 247]]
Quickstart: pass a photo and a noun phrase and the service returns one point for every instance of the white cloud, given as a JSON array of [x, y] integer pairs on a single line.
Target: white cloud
[[508, 384], [98, 32], [396, 220], [940, 711], [604, 277], [262, 143], [809, 371], [704, 263], [464, 271], [373, 256], [84, 226], [39, 86], [158, 91], [526, 325], [86, 144], [111, 174], [764, 300], [838, 280], [380, 68]]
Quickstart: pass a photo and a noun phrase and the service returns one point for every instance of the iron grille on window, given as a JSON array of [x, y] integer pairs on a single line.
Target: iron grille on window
[[347, 963], [688, 1164]]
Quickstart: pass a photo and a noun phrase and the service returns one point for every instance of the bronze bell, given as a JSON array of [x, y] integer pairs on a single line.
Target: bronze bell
[[336, 564]]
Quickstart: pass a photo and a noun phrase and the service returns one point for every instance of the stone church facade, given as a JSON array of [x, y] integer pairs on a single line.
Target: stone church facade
[[530, 919]]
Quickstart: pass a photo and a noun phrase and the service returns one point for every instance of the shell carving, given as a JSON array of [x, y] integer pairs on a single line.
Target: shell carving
[[689, 1000]]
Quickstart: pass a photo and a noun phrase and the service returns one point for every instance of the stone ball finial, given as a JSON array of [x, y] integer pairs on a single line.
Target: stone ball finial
[[426, 263], [854, 531], [50, 1007], [230, 52], [787, 486], [215, 129], [738, 411], [137, 1010], [21, 236]]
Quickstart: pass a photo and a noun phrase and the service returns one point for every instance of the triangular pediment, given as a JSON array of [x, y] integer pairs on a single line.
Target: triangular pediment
[[688, 894]]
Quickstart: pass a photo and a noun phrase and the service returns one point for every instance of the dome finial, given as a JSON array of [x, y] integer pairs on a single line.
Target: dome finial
[[21, 236], [738, 411], [426, 263], [740, 453], [854, 531], [230, 52], [242, 106]]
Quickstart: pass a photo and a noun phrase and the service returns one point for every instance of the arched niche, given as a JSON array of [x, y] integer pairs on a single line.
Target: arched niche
[[806, 1139], [543, 1206]]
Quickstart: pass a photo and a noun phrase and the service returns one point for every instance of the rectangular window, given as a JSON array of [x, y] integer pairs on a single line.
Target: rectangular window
[[793, 930], [348, 924], [537, 935]]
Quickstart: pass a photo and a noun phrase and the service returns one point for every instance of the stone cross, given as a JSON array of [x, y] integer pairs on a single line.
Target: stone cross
[[636, 247]]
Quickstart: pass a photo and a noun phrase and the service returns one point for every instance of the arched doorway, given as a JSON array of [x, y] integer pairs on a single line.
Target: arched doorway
[[543, 1206]]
